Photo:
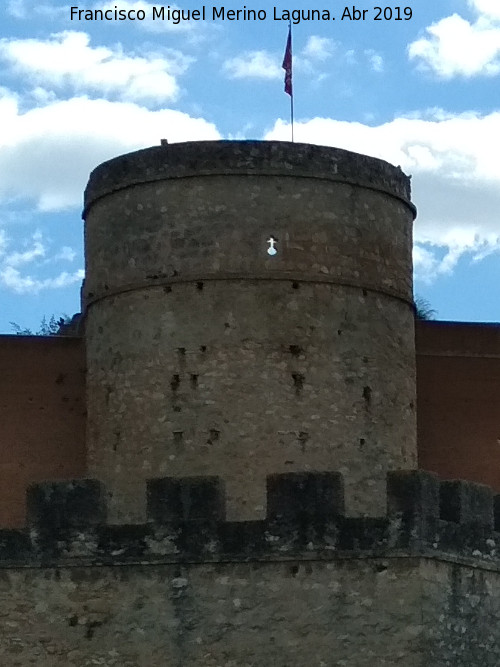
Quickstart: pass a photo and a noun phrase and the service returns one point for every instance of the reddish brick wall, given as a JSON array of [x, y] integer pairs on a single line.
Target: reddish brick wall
[[458, 405], [42, 408], [42, 416]]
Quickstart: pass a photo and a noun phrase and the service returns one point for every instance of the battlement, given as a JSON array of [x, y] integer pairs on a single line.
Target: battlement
[[456, 520]]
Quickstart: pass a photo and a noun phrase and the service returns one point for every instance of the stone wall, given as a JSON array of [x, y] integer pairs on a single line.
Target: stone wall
[[207, 355], [307, 586], [220, 615]]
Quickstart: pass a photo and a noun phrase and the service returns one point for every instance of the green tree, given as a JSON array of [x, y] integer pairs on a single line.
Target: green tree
[[423, 309], [51, 327]]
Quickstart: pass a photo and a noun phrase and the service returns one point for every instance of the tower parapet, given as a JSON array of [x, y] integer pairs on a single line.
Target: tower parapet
[[209, 355], [455, 521]]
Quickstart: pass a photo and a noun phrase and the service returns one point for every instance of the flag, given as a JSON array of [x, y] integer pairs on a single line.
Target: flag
[[287, 64]]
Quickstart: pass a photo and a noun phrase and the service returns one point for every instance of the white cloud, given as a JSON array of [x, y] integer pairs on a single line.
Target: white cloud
[[426, 265], [350, 57], [318, 48], [36, 250], [67, 59], [455, 46], [254, 65], [310, 61], [456, 177], [47, 153], [489, 9], [13, 280], [266, 65], [430, 261], [375, 59], [66, 253]]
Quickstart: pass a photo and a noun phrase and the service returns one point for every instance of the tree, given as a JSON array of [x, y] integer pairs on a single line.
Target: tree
[[423, 309], [52, 327]]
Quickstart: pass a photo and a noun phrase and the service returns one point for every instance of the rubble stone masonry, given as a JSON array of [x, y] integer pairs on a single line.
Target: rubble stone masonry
[[207, 355]]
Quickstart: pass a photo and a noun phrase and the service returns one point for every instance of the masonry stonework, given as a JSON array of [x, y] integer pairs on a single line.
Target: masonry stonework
[[343, 614], [206, 355], [251, 431], [307, 586]]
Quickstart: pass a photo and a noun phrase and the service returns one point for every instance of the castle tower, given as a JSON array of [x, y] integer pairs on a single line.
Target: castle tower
[[248, 311], [211, 360]]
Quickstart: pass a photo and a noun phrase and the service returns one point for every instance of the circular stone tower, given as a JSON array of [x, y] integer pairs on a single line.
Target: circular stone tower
[[248, 311]]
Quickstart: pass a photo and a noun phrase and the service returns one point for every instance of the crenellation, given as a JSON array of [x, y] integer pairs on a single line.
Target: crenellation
[[413, 498], [466, 503], [15, 547], [65, 504], [305, 518]]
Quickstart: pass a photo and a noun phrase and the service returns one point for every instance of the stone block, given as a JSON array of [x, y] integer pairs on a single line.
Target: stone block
[[413, 493], [66, 504], [466, 503]]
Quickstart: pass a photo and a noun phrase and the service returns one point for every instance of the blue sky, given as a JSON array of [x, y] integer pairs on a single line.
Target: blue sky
[[422, 93]]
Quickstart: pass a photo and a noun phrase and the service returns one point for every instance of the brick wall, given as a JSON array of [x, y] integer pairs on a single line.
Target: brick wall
[[42, 416], [458, 400]]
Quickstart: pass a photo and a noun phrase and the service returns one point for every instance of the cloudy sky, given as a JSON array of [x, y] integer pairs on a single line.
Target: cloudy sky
[[423, 93]]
